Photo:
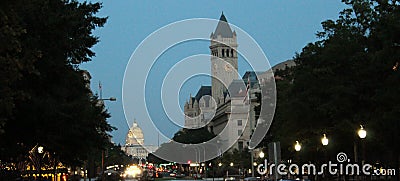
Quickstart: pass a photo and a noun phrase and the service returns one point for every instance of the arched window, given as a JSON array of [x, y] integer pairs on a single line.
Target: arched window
[[232, 52], [227, 52], [223, 52]]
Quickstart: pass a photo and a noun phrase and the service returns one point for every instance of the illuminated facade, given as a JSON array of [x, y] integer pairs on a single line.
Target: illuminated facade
[[134, 144]]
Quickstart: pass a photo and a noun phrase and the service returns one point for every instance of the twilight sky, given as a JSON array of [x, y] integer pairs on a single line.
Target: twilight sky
[[280, 27]]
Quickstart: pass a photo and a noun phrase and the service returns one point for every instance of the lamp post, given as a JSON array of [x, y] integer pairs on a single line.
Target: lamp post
[[218, 151], [253, 164], [231, 164], [220, 171], [197, 151], [362, 133], [40, 150], [204, 158], [297, 147], [251, 161], [102, 152], [325, 141]]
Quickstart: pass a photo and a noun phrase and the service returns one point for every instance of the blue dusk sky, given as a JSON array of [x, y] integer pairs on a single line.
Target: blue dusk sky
[[280, 27]]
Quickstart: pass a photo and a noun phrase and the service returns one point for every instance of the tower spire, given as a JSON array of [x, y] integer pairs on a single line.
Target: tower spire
[[223, 18], [223, 29]]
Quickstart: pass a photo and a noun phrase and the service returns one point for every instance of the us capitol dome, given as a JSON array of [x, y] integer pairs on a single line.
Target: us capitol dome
[[134, 143], [135, 135]]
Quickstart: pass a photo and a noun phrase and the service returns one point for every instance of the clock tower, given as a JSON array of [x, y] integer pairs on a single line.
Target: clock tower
[[224, 59]]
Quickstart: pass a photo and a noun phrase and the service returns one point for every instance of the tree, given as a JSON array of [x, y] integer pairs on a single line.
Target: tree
[[347, 78], [115, 156], [193, 136], [44, 98]]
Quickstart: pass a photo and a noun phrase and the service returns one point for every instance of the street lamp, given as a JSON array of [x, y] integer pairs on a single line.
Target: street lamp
[[231, 164], [297, 146], [261, 154], [361, 132], [324, 140], [40, 150], [102, 152], [219, 164], [109, 99]]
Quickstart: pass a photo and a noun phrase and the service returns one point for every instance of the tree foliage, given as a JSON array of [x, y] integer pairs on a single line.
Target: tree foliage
[[347, 78], [193, 136], [44, 98]]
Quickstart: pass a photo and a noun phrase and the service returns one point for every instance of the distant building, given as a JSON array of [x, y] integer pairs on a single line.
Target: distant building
[[212, 105], [199, 109], [134, 145], [236, 113], [231, 112]]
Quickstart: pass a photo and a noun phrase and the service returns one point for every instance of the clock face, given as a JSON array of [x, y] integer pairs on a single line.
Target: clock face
[[228, 68], [215, 68]]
